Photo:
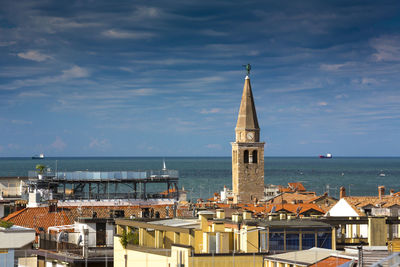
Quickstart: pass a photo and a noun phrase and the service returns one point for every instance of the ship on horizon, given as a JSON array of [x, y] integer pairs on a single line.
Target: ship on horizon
[[327, 156], [40, 156]]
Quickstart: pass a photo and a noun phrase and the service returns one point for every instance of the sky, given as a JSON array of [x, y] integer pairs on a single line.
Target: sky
[[165, 78]]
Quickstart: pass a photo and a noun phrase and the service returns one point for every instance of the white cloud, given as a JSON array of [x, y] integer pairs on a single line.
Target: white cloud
[[31, 94], [148, 12], [21, 122], [142, 91], [210, 111], [214, 33], [100, 144], [34, 55], [387, 47], [367, 81], [322, 104], [117, 34], [214, 146], [58, 144], [7, 43], [341, 96], [332, 67], [75, 72]]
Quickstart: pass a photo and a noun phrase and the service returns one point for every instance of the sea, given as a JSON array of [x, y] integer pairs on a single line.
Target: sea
[[202, 176]]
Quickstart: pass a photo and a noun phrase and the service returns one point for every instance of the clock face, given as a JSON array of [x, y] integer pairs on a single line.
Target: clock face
[[250, 136]]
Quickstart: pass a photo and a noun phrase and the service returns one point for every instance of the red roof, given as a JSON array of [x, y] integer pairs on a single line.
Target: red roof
[[297, 186], [331, 261], [42, 217]]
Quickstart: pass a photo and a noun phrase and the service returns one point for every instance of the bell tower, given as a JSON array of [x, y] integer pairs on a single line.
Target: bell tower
[[247, 151]]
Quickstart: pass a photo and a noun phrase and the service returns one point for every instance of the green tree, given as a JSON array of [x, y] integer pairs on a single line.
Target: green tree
[[40, 168], [6, 224]]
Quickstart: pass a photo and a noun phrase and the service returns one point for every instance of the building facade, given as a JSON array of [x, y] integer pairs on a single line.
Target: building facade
[[247, 152]]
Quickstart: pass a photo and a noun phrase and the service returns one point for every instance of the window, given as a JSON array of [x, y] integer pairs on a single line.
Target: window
[[276, 241], [292, 241], [324, 240], [246, 156], [255, 152], [308, 241]]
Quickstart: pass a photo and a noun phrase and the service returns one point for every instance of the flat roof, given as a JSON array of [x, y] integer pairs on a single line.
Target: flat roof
[[305, 257], [296, 223], [185, 223], [173, 225]]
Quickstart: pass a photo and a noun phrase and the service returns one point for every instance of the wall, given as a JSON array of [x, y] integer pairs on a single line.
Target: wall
[[28, 262], [226, 261], [342, 208], [7, 258], [137, 258], [15, 239], [11, 186], [109, 234]]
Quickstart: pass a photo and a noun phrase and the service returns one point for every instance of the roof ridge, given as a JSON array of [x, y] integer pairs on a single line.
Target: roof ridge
[[14, 214]]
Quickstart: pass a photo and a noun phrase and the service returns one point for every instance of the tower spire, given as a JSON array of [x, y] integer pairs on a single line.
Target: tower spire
[[247, 118]]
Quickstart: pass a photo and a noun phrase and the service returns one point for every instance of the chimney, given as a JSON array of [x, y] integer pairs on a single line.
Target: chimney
[[391, 192], [220, 214], [236, 217], [204, 216], [381, 191], [53, 205], [342, 192], [247, 215]]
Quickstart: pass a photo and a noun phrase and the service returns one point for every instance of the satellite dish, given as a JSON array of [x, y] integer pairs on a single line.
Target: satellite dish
[[79, 240], [60, 237]]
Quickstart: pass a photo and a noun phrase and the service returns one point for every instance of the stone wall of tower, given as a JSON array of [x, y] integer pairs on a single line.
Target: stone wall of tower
[[247, 178]]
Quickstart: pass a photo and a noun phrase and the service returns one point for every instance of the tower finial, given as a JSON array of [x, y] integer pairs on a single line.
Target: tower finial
[[248, 68]]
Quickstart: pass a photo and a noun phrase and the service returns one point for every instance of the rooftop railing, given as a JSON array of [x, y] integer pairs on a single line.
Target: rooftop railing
[[112, 175]]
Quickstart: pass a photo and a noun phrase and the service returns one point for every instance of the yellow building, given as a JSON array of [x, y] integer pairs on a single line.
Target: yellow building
[[204, 241], [213, 240]]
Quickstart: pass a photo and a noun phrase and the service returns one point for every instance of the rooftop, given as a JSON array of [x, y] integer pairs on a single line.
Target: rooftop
[[306, 257]]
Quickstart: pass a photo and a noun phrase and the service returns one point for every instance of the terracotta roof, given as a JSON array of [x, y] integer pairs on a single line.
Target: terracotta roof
[[12, 215], [297, 186], [292, 197], [41, 217], [284, 189], [358, 202], [293, 208]]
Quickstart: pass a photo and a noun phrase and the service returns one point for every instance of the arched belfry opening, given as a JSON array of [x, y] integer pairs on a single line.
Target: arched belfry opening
[[255, 155], [246, 156]]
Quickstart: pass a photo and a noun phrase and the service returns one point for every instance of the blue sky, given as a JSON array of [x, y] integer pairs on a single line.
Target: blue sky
[[164, 78]]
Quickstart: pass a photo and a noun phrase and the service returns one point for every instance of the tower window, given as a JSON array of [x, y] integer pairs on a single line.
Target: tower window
[[255, 153], [246, 156]]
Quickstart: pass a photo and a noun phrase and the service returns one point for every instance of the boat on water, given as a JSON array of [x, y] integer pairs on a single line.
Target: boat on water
[[40, 156], [327, 156]]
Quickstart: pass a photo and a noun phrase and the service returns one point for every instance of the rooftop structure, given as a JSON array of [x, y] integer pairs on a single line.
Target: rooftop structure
[[102, 185]]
